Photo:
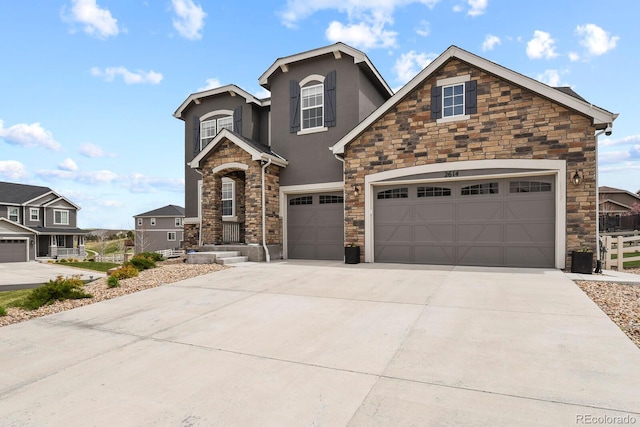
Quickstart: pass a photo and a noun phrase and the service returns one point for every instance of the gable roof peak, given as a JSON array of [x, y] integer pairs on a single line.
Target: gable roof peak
[[230, 89]]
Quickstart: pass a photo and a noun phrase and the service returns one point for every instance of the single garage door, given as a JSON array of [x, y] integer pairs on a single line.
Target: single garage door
[[496, 222], [315, 226], [13, 250]]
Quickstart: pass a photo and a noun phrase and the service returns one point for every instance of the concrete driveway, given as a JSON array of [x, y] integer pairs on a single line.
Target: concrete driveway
[[324, 344], [21, 275]]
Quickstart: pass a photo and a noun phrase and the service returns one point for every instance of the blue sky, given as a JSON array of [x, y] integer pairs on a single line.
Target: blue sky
[[88, 87]]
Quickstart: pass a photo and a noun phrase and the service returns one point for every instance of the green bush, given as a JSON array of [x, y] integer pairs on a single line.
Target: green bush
[[141, 262], [3, 311], [151, 255], [125, 272], [113, 282], [55, 290], [62, 260]]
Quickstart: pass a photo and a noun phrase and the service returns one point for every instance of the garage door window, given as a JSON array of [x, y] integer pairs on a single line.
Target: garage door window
[[529, 187], [433, 191], [488, 188], [325, 200], [303, 200], [394, 193]]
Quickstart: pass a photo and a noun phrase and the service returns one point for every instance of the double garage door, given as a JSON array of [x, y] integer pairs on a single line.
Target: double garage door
[[499, 222], [13, 250]]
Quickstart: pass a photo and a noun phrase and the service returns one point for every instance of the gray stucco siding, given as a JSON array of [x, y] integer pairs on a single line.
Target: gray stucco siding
[[309, 157], [49, 218], [369, 97]]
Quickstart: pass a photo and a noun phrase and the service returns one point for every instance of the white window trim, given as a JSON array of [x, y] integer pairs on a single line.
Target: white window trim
[[178, 222], [61, 222], [37, 214], [139, 222], [303, 83], [233, 216], [209, 117], [175, 236], [152, 221], [17, 213], [453, 81]]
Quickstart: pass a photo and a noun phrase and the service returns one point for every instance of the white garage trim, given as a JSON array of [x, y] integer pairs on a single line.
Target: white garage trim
[[557, 168], [323, 187]]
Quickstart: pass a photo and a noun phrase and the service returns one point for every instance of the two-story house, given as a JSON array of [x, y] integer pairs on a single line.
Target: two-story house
[[470, 163], [619, 209], [37, 222], [159, 229]]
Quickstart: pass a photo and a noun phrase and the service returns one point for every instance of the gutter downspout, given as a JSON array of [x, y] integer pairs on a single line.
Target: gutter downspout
[[344, 205], [199, 211], [598, 254], [264, 216]]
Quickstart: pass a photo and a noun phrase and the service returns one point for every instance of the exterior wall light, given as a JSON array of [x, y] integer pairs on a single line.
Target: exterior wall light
[[356, 190], [576, 178]]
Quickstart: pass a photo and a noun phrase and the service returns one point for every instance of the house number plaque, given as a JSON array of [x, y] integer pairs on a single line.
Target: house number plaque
[[450, 174]]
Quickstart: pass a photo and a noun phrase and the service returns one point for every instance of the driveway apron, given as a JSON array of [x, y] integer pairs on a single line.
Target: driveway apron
[[323, 343]]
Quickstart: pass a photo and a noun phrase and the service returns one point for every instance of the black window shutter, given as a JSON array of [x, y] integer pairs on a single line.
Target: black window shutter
[[237, 119], [436, 102], [196, 135], [294, 106], [471, 97], [330, 99]]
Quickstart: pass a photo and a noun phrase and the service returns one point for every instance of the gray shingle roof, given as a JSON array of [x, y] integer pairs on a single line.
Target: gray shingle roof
[[169, 210], [20, 193], [569, 91]]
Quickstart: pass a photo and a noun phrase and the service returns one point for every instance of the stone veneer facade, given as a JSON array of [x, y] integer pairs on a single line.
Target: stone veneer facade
[[248, 199], [511, 123]]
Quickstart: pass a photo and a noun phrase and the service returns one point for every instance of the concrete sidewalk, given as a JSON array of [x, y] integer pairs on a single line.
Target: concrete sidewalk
[[321, 343], [22, 275]]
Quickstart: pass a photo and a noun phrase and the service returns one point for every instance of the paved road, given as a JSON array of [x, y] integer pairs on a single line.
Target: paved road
[[25, 275], [321, 343]]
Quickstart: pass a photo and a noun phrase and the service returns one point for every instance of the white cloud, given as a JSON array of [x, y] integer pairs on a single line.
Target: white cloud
[[262, 93], [97, 21], [33, 135], [189, 20], [211, 84], [68, 165], [411, 63], [366, 20], [361, 35], [139, 77], [595, 39], [632, 139], [477, 7], [490, 41], [457, 8], [92, 151], [541, 46], [424, 30], [12, 169], [550, 77], [573, 56], [138, 183]]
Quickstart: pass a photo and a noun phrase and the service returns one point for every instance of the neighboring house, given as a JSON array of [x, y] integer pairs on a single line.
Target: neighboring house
[[618, 209], [37, 222], [159, 229], [470, 163]]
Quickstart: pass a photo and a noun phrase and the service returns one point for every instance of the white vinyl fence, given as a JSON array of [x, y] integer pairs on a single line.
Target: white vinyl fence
[[619, 246]]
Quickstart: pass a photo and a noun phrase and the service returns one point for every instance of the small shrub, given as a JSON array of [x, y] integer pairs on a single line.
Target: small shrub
[[151, 255], [3, 311], [62, 260], [90, 260], [141, 262], [125, 272], [113, 282], [55, 290]]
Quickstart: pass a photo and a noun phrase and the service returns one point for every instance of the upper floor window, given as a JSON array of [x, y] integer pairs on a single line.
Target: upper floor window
[[60, 217], [210, 128], [454, 98], [228, 197], [14, 214], [178, 222], [312, 106], [152, 221], [34, 214], [139, 221]]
